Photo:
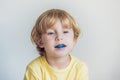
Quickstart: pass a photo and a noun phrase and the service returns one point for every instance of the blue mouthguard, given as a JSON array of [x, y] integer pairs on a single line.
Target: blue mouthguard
[[60, 46]]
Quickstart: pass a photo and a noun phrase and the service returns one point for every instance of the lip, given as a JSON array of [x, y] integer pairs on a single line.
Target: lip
[[60, 46]]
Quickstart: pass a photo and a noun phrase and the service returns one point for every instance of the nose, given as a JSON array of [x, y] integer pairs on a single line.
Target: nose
[[59, 37]]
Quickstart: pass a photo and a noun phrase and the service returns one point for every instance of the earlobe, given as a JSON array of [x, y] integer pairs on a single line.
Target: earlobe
[[75, 41], [40, 43]]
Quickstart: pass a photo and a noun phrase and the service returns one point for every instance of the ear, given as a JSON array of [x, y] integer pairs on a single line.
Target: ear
[[40, 43], [75, 41]]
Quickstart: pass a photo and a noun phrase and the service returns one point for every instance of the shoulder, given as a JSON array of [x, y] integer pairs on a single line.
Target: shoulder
[[80, 64], [34, 69], [35, 63], [81, 69]]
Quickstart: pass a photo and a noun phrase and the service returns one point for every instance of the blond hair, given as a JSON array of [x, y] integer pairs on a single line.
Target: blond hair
[[47, 20]]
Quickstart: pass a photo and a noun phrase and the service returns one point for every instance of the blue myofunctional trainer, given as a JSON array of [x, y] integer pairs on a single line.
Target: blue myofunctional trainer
[[60, 46]]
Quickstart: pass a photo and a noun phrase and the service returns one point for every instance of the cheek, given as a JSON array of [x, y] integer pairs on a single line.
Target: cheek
[[70, 39], [70, 36], [44, 41], [47, 41]]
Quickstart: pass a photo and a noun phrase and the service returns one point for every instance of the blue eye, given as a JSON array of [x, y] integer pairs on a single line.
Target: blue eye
[[50, 33], [65, 31]]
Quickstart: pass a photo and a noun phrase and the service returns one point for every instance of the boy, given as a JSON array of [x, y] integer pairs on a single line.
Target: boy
[[55, 34]]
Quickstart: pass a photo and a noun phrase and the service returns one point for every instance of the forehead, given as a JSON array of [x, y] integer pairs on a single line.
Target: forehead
[[58, 25], [58, 22]]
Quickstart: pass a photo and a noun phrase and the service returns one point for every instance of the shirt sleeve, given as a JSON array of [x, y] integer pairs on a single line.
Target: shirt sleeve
[[84, 72], [30, 75]]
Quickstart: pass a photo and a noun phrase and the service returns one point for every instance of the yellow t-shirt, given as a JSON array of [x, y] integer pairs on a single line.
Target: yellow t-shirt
[[39, 69]]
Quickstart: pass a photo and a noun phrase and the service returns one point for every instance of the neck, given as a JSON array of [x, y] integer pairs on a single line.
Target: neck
[[59, 63]]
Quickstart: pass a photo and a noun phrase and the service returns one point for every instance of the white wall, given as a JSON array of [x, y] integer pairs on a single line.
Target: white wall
[[98, 46]]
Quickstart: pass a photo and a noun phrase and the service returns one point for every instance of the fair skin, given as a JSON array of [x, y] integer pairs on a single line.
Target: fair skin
[[58, 57]]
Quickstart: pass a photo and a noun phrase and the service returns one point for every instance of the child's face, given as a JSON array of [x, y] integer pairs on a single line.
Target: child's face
[[58, 41]]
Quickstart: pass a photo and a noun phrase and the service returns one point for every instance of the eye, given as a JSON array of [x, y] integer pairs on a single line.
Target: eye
[[50, 33], [65, 32]]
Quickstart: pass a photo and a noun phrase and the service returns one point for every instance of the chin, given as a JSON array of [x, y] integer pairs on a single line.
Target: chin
[[61, 54]]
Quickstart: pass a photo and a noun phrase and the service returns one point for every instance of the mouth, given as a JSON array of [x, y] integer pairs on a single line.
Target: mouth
[[60, 46]]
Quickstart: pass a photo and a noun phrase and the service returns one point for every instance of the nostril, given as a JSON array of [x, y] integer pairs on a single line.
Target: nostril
[[59, 37]]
